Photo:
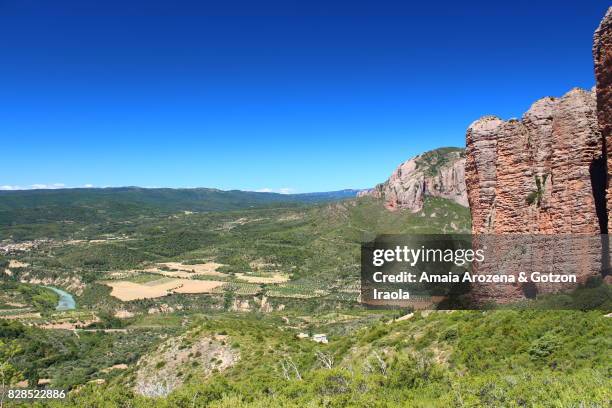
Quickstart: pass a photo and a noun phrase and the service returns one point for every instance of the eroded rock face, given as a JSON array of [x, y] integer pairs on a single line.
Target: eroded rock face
[[481, 171], [438, 173], [602, 54], [164, 370], [534, 175]]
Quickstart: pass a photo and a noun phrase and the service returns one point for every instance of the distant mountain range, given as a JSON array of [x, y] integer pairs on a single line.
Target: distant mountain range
[[92, 204]]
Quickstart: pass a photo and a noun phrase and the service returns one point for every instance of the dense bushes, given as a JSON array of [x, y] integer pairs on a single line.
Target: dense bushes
[[470, 359]]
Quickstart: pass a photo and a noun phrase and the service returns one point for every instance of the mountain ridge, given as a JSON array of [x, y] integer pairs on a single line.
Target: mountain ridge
[[22, 208], [187, 196], [435, 173]]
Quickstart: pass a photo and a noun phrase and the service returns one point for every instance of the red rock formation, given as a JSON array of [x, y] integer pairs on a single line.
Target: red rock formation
[[481, 171], [534, 175], [602, 54], [438, 173]]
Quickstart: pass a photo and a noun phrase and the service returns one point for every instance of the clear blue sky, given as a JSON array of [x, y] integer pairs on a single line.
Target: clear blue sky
[[307, 96]]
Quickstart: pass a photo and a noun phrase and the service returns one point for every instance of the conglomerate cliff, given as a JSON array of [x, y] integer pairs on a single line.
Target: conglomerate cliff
[[437, 173], [535, 175], [539, 185]]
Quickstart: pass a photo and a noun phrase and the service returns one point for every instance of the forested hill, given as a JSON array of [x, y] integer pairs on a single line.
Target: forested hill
[[95, 204]]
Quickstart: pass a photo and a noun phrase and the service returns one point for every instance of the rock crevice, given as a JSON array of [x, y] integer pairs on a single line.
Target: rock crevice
[[602, 56]]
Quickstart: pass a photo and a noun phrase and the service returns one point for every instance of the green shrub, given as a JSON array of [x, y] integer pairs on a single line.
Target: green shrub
[[544, 346]]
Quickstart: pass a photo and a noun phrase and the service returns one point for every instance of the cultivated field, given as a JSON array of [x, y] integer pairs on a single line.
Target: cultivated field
[[273, 278], [208, 268], [126, 291], [197, 286]]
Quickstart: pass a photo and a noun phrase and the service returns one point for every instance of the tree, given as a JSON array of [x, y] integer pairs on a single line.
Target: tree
[[228, 299]]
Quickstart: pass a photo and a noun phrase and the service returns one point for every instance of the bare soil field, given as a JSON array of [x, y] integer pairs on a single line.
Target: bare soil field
[[185, 271], [96, 241], [274, 278], [16, 264], [179, 270], [67, 325], [198, 286], [126, 291]]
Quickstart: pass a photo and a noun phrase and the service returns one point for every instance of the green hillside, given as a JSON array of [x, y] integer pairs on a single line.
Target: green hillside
[[29, 214], [433, 160], [469, 359]]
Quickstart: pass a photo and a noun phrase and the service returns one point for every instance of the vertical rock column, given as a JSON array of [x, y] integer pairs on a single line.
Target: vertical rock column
[[577, 148], [481, 172]]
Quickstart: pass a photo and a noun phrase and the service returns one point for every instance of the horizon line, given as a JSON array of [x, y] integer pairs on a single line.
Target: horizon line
[[57, 187]]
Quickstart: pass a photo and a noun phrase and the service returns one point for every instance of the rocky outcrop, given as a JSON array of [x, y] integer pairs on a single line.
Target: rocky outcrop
[[541, 184], [437, 173], [179, 358], [602, 54], [534, 175], [531, 182], [481, 172], [549, 171]]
